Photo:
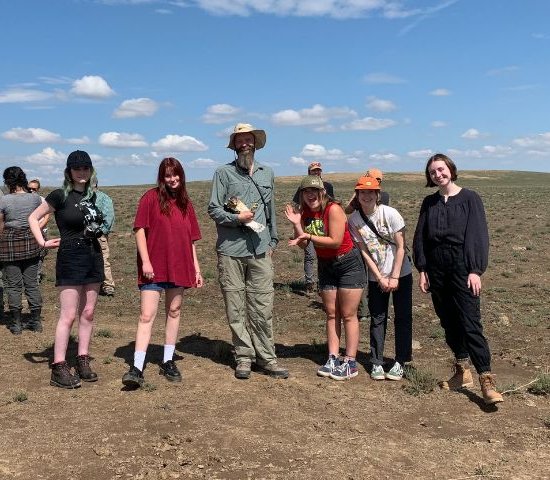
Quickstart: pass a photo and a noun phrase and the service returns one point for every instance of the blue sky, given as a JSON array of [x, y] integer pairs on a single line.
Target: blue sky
[[350, 83]]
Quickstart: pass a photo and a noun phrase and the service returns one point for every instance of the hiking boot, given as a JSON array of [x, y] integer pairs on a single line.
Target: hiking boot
[[377, 372], [34, 324], [62, 376], [16, 327], [170, 370], [273, 370], [489, 389], [242, 370], [107, 291], [332, 363], [395, 372], [462, 377], [83, 369], [346, 370], [133, 378]]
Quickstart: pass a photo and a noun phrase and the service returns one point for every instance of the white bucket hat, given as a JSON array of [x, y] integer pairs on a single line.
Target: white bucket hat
[[259, 135]]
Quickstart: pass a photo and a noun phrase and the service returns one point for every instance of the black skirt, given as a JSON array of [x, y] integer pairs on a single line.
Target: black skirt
[[79, 262]]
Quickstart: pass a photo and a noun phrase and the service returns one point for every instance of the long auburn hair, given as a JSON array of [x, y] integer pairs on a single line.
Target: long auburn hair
[[172, 166]]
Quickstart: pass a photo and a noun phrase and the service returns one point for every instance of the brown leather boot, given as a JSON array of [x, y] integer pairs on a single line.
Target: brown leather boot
[[62, 376], [83, 369], [489, 388], [462, 377]]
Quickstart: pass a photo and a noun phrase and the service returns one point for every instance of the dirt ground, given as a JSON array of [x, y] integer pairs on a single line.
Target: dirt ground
[[212, 426]]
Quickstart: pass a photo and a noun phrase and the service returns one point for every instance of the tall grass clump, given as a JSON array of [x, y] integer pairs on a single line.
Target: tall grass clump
[[420, 381], [541, 386]]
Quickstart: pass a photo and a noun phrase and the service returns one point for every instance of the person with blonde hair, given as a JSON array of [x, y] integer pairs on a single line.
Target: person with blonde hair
[[320, 220]]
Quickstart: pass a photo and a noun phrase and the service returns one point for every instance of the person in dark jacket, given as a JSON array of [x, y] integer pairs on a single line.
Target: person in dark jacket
[[451, 252]]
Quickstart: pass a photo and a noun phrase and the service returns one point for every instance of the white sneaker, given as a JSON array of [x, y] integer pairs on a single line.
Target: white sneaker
[[395, 372], [377, 372]]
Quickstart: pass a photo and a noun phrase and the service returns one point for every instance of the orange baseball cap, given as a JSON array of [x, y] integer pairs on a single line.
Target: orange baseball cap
[[367, 183], [375, 173]]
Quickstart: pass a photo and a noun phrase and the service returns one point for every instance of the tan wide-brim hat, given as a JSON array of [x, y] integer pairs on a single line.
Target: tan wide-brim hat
[[259, 135]]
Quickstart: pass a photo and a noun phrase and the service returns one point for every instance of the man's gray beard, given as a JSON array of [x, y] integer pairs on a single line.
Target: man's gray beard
[[245, 159]]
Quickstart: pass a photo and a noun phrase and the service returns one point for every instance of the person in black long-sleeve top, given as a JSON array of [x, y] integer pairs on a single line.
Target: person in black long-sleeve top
[[451, 252]]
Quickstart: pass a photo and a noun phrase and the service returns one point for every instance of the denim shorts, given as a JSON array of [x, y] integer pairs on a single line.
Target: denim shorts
[[158, 286], [347, 271]]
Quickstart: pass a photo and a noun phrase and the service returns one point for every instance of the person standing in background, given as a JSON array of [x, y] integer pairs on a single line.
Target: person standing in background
[[34, 186], [316, 169], [105, 205], [19, 251]]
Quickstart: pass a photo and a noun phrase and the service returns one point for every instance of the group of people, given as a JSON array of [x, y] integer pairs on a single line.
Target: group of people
[[368, 250]]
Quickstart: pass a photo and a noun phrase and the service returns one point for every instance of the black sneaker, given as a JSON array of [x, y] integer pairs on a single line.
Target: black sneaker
[[170, 370], [62, 376], [133, 378]]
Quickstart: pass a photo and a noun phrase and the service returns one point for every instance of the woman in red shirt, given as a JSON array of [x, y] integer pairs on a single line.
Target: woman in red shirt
[[166, 229], [341, 271]]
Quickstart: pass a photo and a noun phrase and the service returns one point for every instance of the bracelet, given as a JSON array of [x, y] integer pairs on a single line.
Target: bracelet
[[394, 278]]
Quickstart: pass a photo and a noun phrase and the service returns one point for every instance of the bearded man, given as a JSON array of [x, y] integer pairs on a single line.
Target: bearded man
[[242, 204]]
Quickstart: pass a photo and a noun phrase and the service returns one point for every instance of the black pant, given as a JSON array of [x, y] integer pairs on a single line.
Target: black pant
[[457, 307], [378, 308]]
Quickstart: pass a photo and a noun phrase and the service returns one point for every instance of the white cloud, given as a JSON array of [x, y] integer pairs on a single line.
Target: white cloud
[[369, 123], [31, 135], [92, 86], [23, 95], [384, 157], [380, 105], [203, 163], [540, 140], [136, 107], [497, 150], [303, 8], [121, 140], [319, 151], [382, 78], [79, 141], [541, 36], [179, 143], [440, 92], [471, 134], [426, 153], [316, 115], [438, 124], [298, 161], [48, 156], [220, 113], [501, 71]]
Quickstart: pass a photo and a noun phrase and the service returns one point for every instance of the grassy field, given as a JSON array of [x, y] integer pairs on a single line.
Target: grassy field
[[213, 426]]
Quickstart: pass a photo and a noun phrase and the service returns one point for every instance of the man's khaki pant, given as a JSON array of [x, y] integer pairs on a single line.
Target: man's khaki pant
[[108, 283], [247, 287]]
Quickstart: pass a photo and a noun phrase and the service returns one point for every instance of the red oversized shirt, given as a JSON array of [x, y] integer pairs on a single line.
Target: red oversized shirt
[[169, 240]]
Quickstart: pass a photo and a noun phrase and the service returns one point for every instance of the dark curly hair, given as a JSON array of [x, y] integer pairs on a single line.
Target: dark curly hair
[[15, 177]]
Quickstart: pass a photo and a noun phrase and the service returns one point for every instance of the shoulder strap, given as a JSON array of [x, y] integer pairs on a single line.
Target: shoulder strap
[[266, 210], [373, 228]]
